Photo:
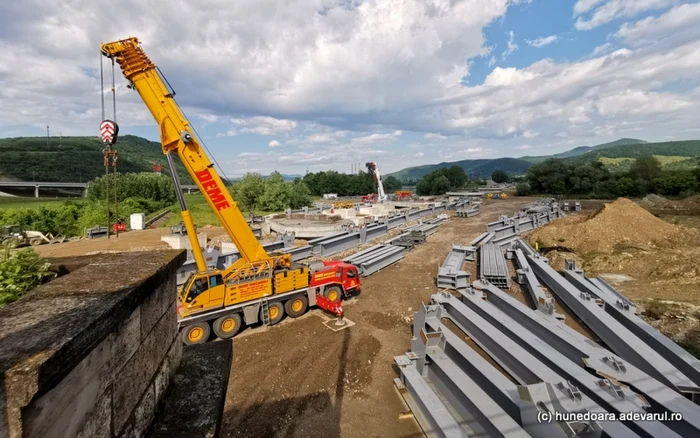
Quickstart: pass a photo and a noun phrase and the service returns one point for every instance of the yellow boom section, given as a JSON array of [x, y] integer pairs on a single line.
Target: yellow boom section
[[177, 136]]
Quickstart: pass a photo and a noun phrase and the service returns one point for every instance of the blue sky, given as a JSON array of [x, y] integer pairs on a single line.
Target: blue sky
[[322, 84]]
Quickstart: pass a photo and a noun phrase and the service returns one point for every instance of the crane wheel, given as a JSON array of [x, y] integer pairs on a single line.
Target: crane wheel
[[295, 307], [227, 326], [333, 293], [275, 312], [196, 333]]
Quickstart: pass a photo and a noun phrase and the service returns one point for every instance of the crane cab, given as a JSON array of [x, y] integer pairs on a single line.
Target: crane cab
[[202, 291]]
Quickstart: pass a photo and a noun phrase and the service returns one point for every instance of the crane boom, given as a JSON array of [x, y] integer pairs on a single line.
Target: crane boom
[[177, 136]]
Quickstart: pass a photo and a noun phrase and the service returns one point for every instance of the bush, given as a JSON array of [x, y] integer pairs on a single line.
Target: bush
[[20, 271], [523, 189]]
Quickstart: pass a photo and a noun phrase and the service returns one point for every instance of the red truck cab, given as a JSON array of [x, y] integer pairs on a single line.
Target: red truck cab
[[337, 271]]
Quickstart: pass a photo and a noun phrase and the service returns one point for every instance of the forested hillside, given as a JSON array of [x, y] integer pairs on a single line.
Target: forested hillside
[[76, 159], [584, 149], [690, 148], [624, 148], [475, 169]]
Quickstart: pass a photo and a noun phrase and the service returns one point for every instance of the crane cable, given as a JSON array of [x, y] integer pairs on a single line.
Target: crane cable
[[107, 150]]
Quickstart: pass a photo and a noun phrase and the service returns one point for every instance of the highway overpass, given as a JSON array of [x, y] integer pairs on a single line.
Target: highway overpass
[[64, 185]]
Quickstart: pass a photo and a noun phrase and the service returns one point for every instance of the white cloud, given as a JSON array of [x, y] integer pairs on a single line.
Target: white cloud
[[377, 138], [682, 21], [419, 155], [512, 45], [523, 147], [542, 41], [274, 144], [508, 76], [613, 9], [433, 136], [601, 50], [229, 133], [264, 125]]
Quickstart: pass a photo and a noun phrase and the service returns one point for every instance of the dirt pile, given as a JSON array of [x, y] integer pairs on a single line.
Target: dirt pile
[[616, 227]]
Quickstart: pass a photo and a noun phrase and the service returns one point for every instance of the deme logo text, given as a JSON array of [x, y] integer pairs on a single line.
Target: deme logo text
[[213, 191]]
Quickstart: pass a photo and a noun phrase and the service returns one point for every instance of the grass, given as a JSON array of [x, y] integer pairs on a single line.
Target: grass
[[201, 213], [18, 202], [664, 160]]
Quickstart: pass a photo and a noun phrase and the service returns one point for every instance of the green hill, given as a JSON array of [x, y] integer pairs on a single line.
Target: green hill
[[581, 150], [77, 159], [689, 148], [617, 154], [482, 168]]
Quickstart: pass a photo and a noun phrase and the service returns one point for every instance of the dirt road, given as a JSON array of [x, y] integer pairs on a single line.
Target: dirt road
[[128, 241], [300, 379]]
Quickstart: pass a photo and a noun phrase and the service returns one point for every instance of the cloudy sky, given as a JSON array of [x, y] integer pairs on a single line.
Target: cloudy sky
[[301, 85]]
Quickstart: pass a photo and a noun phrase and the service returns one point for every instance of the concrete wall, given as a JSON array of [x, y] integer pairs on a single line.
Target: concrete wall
[[177, 241], [91, 353]]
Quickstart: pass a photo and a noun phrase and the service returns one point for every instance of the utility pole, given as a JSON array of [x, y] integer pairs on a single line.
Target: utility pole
[[47, 135]]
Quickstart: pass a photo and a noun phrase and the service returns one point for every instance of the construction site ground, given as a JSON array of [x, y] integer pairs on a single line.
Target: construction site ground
[[301, 379]]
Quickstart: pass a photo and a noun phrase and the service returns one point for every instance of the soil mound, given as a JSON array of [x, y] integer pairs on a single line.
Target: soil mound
[[616, 226]]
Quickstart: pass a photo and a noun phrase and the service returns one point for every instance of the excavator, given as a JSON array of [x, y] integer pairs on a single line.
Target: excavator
[[256, 287]]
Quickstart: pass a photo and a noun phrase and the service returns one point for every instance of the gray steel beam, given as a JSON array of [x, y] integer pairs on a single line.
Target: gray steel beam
[[430, 412], [479, 238], [492, 265], [613, 333], [480, 396], [672, 352], [299, 252], [496, 334], [338, 244], [596, 359], [528, 279], [381, 259]]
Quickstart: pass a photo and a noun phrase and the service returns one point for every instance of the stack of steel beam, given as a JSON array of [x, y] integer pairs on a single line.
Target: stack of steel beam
[[492, 265], [622, 334], [454, 391], [375, 258], [468, 211], [450, 274]]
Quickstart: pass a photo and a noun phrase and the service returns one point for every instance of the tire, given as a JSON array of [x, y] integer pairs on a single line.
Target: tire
[[295, 307], [196, 333], [227, 326], [333, 293], [36, 241], [276, 312]]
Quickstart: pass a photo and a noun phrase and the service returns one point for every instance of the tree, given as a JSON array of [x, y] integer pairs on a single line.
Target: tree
[[523, 189], [675, 183], [499, 176], [549, 176], [299, 195], [248, 190], [391, 184], [440, 185], [456, 176], [424, 186], [146, 185], [646, 168]]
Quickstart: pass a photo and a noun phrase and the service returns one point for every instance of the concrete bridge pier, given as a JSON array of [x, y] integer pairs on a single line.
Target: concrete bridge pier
[[36, 191]]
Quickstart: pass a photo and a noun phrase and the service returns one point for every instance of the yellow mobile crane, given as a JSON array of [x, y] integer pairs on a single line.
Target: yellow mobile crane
[[258, 285]]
